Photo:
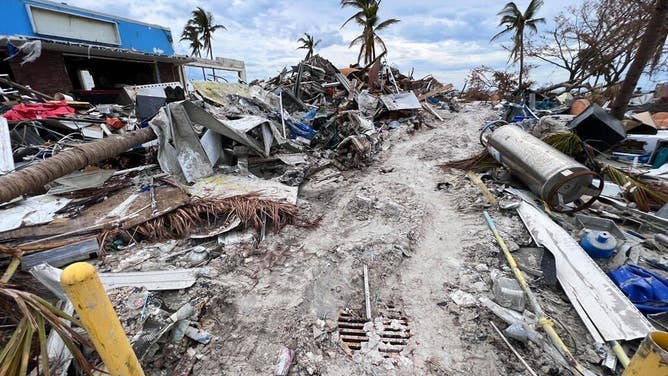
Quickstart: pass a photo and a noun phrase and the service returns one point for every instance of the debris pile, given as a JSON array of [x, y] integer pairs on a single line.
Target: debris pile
[[545, 166], [155, 185]]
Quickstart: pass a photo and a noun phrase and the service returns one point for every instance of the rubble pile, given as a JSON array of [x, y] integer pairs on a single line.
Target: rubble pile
[[181, 179]]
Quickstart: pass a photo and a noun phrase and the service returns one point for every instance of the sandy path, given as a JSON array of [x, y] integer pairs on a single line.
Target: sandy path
[[291, 291]]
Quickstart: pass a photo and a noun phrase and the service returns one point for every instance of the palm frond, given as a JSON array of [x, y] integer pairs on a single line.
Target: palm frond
[[636, 191], [251, 209], [509, 20], [501, 33], [380, 41], [359, 39], [510, 9], [386, 23], [532, 8], [35, 313], [353, 17], [531, 25]]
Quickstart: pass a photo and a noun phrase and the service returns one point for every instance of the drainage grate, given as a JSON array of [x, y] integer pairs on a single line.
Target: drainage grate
[[393, 338]]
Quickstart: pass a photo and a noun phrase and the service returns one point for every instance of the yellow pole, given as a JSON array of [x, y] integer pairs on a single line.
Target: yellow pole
[[83, 287], [621, 354], [483, 188]]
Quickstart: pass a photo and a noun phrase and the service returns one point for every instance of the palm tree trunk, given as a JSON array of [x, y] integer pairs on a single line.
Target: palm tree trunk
[[521, 59], [646, 50], [373, 52], [34, 177]]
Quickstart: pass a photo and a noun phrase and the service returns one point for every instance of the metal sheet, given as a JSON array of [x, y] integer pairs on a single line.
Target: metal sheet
[[151, 280], [238, 130], [62, 256], [601, 302], [31, 211], [221, 186], [218, 92], [211, 142], [180, 152], [81, 180], [401, 101]]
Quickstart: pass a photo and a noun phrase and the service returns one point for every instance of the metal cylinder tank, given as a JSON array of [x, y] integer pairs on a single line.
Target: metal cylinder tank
[[555, 177]]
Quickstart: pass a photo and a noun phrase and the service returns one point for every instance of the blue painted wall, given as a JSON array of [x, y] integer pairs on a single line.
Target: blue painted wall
[[134, 36]]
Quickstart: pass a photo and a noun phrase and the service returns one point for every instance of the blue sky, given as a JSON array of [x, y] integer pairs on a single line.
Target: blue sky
[[445, 38]]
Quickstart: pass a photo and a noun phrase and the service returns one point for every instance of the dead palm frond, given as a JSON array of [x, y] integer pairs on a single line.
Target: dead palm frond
[[35, 314], [478, 163], [251, 209], [637, 191]]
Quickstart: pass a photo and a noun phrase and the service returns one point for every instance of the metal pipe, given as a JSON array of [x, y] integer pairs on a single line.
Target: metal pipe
[[367, 293], [552, 175]]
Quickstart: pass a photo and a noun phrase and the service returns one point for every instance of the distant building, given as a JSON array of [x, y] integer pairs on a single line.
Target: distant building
[[89, 53]]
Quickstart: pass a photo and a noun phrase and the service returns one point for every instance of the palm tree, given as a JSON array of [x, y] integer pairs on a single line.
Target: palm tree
[[367, 18], [515, 20], [308, 43], [199, 32], [191, 35], [202, 22]]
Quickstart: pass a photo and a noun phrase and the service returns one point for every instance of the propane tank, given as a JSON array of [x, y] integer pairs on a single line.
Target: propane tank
[[599, 244], [555, 177]]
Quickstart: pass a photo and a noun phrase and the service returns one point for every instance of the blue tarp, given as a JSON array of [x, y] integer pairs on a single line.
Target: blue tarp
[[648, 291]]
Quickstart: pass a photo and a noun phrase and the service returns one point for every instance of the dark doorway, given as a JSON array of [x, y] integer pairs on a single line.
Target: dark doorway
[[108, 74]]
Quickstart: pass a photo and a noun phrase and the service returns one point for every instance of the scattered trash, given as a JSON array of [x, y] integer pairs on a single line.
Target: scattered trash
[[284, 362], [508, 293], [463, 299]]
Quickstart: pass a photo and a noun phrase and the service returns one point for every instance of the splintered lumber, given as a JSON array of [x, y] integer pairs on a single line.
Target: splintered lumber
[[34, 177]]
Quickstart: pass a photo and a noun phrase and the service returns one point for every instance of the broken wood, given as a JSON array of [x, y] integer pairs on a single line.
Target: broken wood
[[25, 89], [440, 90]]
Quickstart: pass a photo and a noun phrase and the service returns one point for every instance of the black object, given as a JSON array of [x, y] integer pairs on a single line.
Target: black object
[[174, 94], [598, 128]]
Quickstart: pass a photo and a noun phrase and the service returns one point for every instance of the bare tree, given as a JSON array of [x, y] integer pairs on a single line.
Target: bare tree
[[647, 51], [596, 42]]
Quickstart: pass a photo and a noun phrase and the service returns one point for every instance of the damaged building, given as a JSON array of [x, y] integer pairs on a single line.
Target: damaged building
[[57, 48]]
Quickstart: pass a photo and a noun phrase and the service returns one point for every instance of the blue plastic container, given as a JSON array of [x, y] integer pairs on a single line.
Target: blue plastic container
[[599, 244]]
